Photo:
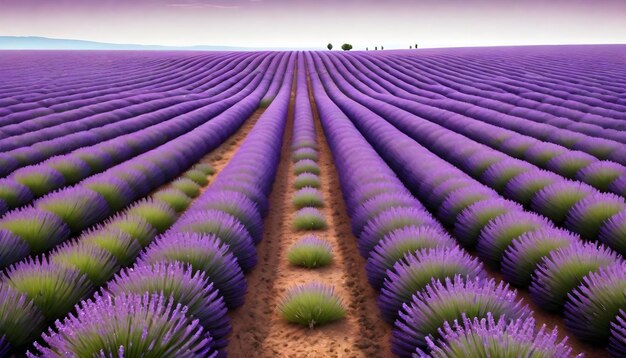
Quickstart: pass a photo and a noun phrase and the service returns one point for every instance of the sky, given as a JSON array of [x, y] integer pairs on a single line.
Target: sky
[[314, 23]]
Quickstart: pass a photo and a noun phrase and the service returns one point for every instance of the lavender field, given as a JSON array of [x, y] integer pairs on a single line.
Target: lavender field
[[462, 202]]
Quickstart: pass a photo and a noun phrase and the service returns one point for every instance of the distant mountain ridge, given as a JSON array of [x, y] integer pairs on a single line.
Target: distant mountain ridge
[[45, 43]]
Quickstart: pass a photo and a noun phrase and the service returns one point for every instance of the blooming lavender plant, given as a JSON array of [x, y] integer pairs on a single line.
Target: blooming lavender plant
[[448, 301], [415, 270], [128, 326], [489, 337], [184, 286], [203, 253]]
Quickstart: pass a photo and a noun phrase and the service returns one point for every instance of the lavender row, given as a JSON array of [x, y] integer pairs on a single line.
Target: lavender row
[[141, 232], [77, 94], [558, 101], [39, 291], [455, 111], [61, 145], [425, 279], [74, 209], [199, 262], [549, 194], [93, 116], [483, 219], [41, 179]]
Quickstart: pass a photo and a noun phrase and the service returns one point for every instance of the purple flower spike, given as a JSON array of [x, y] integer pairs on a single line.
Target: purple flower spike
[[601, 174], [439, 193], [524, 254], [555, 200], [618, 186], [370, 190], [480, 161], [568, 164], [564, 269], [252, 191], [523, 187], [40, 229], [178, 281], [390, 220], [78, 207], [400, 242], [114, 190], [613, 232], [617, 342], [416, 270], [499, 174], [237, 205], [72, 168], [595, 304], [225, 227], [374, 206], [541, 153], [204, 253], [54, 289], [476, 216], [20, 320], [12, 248], [589, 214], [14, 193], [460, 199], [496, 337], [40, 179], [449, 301], [143, 325], [498, 235]]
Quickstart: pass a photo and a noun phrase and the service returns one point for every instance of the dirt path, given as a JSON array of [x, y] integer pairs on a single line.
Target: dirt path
[[258, 329]]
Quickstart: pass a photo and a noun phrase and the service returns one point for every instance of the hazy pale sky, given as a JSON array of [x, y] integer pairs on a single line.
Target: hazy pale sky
[[313, 23]]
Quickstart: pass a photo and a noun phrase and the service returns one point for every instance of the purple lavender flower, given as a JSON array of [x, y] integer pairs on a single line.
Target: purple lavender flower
[[525, 252], [374, 206], [41, 230], [588, 215], [594, 304], [601, 174], [204, 253], [386, 222], [186, 287], [564, 269], [523, 187], [114, 190], [617, 342], [555, 200], [400, 242], [40, 179], [225, 227], [460, 199], [475, 217], [128, 325], [568, 164], [78, 207], [14, 194], [72, 168], [119, 243], [499, 174], [12, 248], [417, 269], [237, 205], [439, 193], [20, 320], [53, 288], [488, 337], [96, 263], [496, 237], [452, 300]]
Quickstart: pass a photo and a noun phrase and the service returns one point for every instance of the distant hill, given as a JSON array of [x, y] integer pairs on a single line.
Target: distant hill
[[44, 43]]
